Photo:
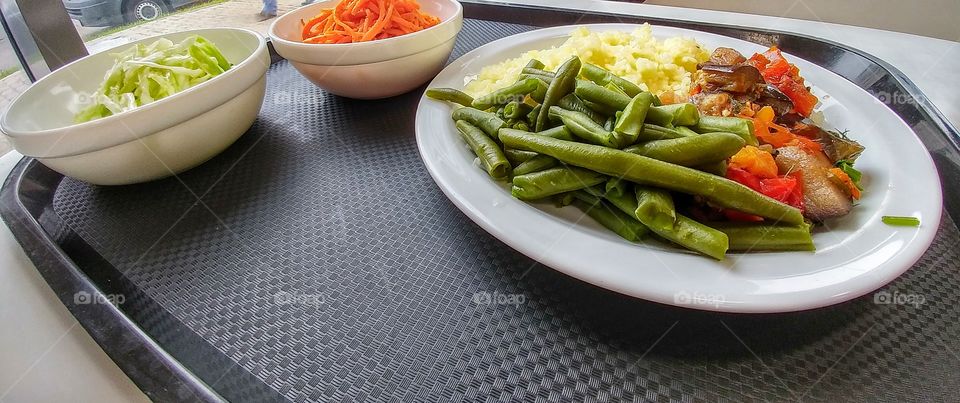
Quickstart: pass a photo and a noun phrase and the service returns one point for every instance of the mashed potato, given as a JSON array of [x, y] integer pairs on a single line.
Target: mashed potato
[[656, 66]]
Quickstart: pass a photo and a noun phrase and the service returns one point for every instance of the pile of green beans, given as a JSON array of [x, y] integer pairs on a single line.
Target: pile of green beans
[[581, 135]]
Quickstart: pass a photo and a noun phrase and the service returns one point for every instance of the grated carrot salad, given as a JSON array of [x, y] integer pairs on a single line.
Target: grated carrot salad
[[366, 20]]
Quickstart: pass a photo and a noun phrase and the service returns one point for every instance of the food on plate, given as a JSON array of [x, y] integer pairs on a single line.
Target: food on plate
[[366, 20], [815, 166], [732, 164], [901, 221], [635, 57], [145, 73], [821, 197]]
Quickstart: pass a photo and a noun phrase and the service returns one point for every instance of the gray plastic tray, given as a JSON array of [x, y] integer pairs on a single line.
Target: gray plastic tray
[[315, 260]]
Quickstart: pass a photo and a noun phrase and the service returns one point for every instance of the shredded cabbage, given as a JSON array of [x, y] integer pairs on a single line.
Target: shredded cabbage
[[145, 73]]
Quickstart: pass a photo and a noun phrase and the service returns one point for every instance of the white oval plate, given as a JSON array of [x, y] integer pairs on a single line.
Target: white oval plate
[[857, 255]]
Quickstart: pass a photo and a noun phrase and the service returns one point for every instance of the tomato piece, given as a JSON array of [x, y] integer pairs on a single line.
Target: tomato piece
[[803, 100], [743, 177], [758, 61], [775, 72], [778, 188], [787, 189], [795, 198]]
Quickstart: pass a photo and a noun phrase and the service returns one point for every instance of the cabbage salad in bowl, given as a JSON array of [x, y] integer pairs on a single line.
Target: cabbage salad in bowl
[[145, 73]]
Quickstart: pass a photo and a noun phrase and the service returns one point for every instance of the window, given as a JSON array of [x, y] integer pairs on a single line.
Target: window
[[113, 22], [13, 80]]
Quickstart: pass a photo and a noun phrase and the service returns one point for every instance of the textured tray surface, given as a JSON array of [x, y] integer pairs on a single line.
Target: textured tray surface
[[316, 260]]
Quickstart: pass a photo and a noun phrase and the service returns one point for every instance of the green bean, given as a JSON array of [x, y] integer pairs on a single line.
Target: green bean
[[695, 236], [518, 156], [590, 91], [559, 132], [570, 102], [657, 101], [535, 64], [545, 79], [630, 124], [537, 185], [540, 91], [739, 126], [538, 163], [623, 201], [684, 232], [583, 127], [505, 95], [635, 168], [718, 168], [610, 123], [615, 220], [651, 132], [674, 114], [489, 153], [599, 108], [761, 237], [516, 109], [691, 151], [616, 186], [562, 84], [655, 208], [532, 116], [613, 87], [626, 203], [521, 125], [601, 76], [486, 121], [563, 199], [686, 131], [451, 95], [598, 190], [537, 71]]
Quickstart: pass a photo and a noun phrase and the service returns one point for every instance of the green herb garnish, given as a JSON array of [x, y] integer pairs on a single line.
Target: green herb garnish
[[847, 167], [901, 221]]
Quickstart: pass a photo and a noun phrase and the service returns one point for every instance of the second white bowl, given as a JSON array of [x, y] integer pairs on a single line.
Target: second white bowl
[[375, 69]]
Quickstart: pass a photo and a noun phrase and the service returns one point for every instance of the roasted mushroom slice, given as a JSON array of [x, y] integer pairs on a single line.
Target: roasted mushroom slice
[[726, 56], [770, 95], [739, 79], [835, 145]]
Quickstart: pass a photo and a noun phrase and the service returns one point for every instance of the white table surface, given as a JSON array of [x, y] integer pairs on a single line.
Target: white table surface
[[46, 356]]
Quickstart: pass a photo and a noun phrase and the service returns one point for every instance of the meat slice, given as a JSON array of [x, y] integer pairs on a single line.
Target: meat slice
[[822, 198]]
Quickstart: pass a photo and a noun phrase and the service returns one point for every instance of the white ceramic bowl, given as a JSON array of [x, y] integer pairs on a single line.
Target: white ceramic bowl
[[153, 141], [374, 69]]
